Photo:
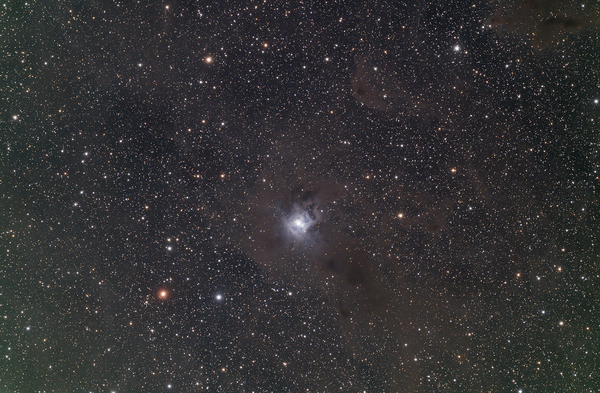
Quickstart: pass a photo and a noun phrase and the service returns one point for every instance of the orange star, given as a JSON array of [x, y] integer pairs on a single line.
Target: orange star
[[163, 294]]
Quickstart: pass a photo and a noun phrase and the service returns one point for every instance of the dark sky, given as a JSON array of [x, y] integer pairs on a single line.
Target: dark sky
[[303, 196]]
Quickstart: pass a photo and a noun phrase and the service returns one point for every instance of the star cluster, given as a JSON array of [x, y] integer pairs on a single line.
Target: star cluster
[[309, 196]]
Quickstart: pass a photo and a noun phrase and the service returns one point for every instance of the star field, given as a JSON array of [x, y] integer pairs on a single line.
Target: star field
[[278, 196]]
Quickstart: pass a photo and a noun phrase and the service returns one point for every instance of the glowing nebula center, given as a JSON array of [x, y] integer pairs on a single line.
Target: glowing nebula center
[[300, 221]]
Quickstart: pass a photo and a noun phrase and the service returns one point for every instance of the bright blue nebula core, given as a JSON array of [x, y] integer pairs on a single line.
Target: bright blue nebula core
[[300, 221]]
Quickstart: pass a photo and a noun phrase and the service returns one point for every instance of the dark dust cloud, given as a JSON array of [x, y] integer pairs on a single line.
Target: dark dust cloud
[[299, 197], [545, 22]]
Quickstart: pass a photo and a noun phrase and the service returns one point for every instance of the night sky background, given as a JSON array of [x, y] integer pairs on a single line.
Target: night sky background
[[302, 196]]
